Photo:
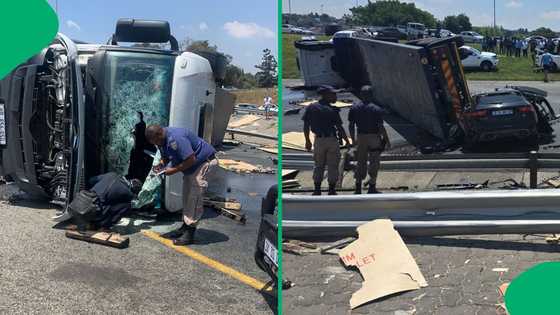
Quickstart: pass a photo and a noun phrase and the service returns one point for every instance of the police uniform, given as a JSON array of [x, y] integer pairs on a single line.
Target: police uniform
[[179, 145], [369, 121], [322, 119]]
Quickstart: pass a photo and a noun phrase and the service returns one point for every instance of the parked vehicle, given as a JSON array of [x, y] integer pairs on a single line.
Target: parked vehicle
[[443, 33], [537, 38], [390, 32], [290, 29], [472, 58], [555, 61], [471, 37], [246, 108], [498, 114], [415, 30]]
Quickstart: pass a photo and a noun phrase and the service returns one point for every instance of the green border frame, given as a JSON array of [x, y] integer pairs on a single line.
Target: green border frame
[[279, 169]]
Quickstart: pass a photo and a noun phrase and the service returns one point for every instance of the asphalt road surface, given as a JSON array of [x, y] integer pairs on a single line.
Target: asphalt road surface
[[43, 272]]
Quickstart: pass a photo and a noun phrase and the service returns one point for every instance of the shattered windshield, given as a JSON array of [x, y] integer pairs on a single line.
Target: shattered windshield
[[137, 83]]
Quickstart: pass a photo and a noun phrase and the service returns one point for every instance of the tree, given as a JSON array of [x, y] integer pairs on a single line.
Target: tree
[[544, 31], [267, 76], [390, 12], [457, 23], [234, 77]]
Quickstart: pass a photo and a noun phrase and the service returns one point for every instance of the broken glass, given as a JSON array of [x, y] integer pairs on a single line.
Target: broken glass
[[137, 82]]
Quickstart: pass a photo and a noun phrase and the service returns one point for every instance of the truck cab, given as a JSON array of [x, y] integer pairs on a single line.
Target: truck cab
[[70, 111]]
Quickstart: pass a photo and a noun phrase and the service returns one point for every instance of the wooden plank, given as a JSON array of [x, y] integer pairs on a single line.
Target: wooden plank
[[234, 215], [243, 121], [230, 205], [103, 238]]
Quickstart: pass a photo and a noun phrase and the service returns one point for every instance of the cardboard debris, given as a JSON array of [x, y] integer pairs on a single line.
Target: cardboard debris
[[553, 182], [242, 167], [295, 140], [383, 260], [339, 104], [244, 121], [289, 174]]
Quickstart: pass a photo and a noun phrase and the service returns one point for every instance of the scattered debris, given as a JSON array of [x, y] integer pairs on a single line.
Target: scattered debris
[[243, 121], [273, 150], [464, 186], [329, 278], [553, 182], [290, 183], [295, 140], [230, 143], [289, 174], [502, 289], [230, 208], [328, 249], [383, 260], [339, 104], [500, 269], [243, 167], [300, 248], [104, 238]]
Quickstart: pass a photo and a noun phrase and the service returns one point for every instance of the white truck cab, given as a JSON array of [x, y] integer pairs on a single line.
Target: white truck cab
[[84, 122]]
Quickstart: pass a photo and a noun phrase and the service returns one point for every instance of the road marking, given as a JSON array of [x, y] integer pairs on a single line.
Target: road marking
[[214, 264]]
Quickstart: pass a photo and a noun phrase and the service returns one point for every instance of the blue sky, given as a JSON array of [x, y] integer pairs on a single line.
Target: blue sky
[[512, 14], [240, 28]]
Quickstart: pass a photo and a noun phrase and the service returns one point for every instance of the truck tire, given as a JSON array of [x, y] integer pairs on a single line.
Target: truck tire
[[486, 66]]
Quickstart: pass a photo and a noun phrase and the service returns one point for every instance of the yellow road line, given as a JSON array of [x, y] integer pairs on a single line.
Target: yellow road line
[[248, 280]]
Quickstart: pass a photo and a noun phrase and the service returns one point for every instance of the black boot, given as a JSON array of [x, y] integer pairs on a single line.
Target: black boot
[[358, 187], [176, 233], [187, 238], [317, 191], [372, 190], [332, 189]]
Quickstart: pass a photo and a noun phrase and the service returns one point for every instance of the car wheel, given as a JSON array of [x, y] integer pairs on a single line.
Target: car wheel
[[486, 65]]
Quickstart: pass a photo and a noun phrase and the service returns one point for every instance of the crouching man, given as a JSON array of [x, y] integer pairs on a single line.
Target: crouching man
[[105, 203], [182, 151]]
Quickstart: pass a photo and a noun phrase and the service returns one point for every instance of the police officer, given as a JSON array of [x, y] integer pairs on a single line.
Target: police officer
[[371, 139], [184, 152], [324, 121]]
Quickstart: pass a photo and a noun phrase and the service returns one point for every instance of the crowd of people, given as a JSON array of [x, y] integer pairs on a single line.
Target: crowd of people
[[519, 47]]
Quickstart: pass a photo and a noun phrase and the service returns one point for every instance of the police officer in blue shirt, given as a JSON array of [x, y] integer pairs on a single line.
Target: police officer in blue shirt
[[182, 151], [324, 121], [371, 139]]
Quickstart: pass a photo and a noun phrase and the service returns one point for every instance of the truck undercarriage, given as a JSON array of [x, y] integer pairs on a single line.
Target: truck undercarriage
[[51, 123], [42, 123]]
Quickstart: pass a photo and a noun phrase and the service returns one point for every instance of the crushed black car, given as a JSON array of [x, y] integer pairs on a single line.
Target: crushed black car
[[518, 112]]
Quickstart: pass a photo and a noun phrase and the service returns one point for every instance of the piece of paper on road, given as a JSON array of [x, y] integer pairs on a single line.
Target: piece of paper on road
[[384, 261]]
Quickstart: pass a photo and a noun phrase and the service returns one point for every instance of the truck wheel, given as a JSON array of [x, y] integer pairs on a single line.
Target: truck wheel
[[486, 65]]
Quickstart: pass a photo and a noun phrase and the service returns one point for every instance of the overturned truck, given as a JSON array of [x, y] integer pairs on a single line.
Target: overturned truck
[[421, 81], [77, 110]]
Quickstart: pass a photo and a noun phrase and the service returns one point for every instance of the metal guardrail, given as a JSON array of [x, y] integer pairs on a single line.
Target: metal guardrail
[[533, 161], [250, 134], [317, 229], [426, 213]]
